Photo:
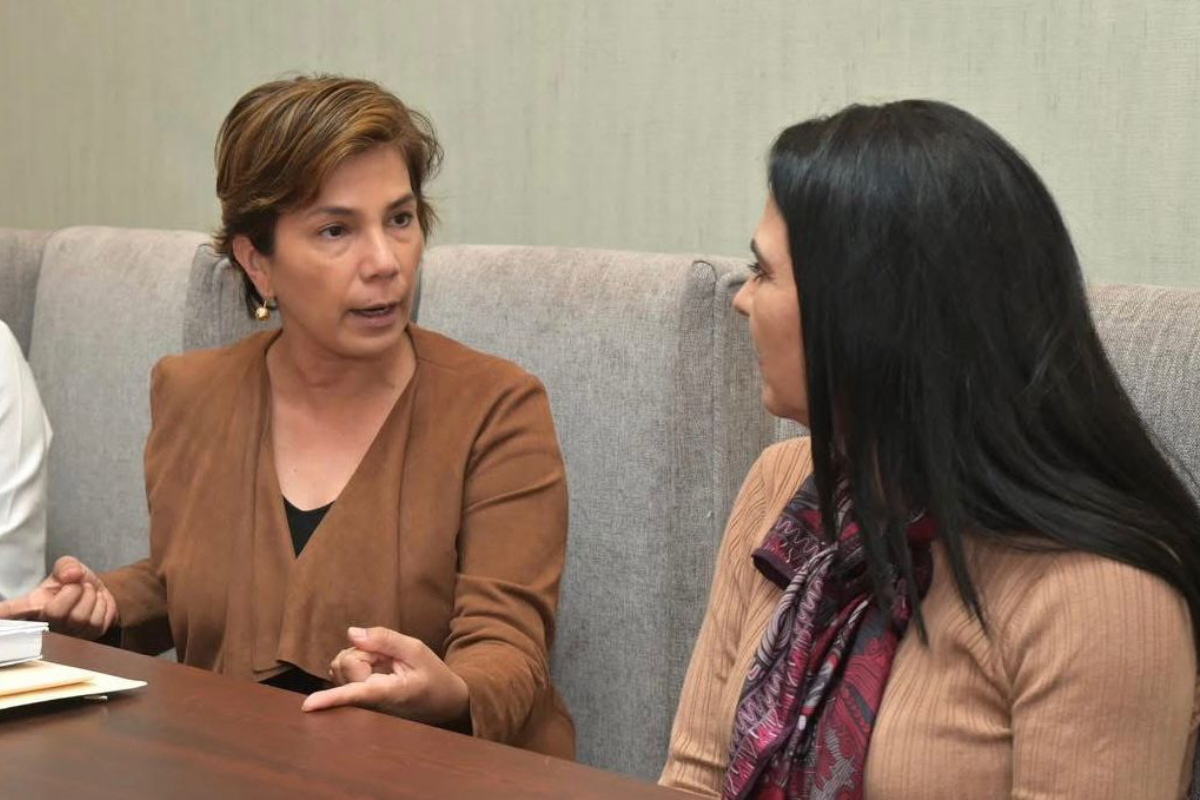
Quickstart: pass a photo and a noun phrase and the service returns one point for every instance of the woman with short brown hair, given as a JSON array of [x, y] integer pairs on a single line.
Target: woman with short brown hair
[[350, 469]]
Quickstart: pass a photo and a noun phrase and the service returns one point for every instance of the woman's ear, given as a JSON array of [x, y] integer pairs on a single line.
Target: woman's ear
[[256, 265]]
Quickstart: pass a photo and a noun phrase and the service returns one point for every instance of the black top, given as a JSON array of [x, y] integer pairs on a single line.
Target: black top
[[303, 523], [296, 680]]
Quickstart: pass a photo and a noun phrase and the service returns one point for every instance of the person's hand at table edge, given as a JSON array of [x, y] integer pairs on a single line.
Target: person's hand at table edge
[[72, 599], [397, 674]]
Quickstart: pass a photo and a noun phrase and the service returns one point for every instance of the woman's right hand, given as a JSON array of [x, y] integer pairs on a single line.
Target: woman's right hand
[[72, 599]]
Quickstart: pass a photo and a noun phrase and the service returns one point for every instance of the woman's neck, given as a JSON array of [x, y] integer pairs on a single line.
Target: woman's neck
[[311, 375]]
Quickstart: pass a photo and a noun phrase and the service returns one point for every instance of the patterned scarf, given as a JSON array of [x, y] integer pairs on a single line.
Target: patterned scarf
[[813, 692]]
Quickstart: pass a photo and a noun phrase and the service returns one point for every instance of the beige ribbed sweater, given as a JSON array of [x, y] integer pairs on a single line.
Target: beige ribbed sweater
[[1086, 688]]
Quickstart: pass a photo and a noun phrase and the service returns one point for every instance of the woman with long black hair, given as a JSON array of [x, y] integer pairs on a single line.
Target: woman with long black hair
[[979, 576]]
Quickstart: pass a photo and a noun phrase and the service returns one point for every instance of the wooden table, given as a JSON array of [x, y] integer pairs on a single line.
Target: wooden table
[[191, 733]]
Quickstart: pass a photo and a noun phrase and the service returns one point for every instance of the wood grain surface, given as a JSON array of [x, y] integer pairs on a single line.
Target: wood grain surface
[[191, 733]]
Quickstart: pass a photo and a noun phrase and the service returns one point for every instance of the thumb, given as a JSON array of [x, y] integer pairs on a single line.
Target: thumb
[[68, 569], [387, 642]]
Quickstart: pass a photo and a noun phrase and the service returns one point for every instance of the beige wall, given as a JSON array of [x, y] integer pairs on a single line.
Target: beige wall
[[634, 124]]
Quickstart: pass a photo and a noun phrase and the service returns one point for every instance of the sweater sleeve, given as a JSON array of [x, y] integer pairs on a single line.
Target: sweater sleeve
[[1103, 669], [699, 745], [142, 606], [512, 547]]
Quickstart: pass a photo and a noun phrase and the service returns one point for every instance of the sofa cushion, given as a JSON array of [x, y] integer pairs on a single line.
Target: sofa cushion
[[651, 383], [110, 303], [1152, 337], [215, 311], [20, 263]]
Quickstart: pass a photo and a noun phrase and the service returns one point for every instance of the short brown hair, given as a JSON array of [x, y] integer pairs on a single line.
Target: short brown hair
[[284, 138]]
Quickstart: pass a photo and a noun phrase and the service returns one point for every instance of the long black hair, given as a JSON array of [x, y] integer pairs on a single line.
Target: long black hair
[[952, 363]]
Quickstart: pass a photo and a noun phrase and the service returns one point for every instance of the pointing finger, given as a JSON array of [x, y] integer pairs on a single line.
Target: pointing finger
[[366, 694]]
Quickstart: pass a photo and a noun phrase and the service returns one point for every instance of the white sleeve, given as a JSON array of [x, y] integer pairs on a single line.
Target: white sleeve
[[24, 450]]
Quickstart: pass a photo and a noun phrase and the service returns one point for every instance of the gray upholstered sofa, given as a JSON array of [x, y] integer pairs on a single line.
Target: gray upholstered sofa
[[650, 376]]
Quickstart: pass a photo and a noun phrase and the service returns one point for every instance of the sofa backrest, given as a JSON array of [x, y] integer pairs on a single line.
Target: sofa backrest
[[651, 381], [1152, 337], [110, 303], [655, 396], [20, 263]]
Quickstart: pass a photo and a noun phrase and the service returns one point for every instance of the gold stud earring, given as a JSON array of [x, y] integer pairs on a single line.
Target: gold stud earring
[[263, 312]]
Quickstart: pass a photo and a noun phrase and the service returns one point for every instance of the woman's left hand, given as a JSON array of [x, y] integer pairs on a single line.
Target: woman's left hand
[[396, 674]]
